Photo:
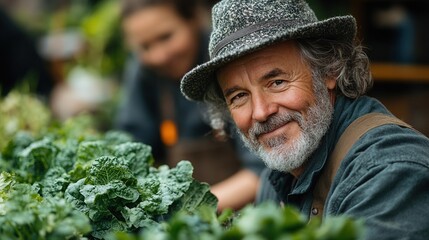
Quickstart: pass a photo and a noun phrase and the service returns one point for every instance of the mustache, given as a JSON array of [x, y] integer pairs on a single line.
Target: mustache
[[273, 122]]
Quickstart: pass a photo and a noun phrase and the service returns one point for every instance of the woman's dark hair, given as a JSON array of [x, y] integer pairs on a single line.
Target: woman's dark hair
[[185, 8]]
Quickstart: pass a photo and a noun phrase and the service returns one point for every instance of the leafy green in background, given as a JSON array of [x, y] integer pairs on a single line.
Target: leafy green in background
[[21, 112], [105, 53]]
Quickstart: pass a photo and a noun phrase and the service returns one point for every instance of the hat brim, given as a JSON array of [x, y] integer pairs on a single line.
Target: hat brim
[[195, 83]]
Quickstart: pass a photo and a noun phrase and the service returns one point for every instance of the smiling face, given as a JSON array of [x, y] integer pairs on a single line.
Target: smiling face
[[163, 40], [280, 112]]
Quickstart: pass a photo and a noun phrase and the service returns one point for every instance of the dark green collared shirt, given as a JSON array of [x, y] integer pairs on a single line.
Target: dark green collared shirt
[[383, 179]]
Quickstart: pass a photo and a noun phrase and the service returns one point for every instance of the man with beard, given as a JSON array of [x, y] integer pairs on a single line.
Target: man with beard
[[294, 87]]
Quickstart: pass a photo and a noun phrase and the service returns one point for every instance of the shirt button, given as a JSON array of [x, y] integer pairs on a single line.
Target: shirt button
[[314, 211]]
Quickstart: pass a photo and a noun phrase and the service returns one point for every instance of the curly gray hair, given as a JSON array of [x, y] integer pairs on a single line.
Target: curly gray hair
[[347, 62]]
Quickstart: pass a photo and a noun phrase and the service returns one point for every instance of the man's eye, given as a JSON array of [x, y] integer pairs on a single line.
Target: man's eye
[[278, 85], [237, 98], [278, 82]]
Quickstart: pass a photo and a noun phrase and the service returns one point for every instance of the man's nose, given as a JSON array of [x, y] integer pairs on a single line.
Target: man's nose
[[262, 107]]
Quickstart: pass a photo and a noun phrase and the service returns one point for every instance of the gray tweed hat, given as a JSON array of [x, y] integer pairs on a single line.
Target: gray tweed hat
[[244, 26]]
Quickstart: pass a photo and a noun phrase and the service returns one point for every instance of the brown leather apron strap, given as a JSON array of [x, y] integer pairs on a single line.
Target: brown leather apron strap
[[349, 137]]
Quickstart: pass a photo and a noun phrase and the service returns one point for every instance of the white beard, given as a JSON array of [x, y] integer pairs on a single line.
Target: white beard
[[284, 154]]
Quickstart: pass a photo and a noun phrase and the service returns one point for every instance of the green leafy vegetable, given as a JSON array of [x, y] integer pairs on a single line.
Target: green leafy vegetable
[[27, 215], [107, 180], [20, 112], [36, 159]]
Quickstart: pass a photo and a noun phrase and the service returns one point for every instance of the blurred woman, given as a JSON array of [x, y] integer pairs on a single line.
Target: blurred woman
[[167, 38]]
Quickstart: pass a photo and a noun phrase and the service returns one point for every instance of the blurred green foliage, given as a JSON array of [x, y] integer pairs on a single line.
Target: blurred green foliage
[[96, 21], [101, 30], [21, 112]]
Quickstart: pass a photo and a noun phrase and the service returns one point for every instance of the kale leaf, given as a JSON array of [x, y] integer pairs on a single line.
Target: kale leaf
[[27, 215]]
